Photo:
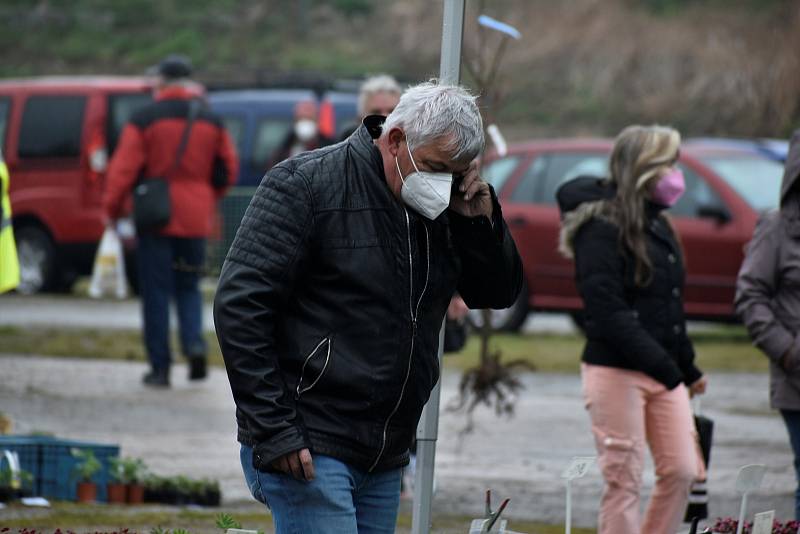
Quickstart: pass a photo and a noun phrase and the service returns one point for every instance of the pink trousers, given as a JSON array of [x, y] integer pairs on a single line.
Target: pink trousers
[[627, 410]]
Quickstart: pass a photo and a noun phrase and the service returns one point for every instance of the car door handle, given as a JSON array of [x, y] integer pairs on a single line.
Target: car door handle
[[516, 221]]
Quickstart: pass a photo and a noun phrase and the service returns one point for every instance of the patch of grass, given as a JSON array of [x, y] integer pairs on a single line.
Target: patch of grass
[[86, 343], [720, 349], [79, 517], [548, 352], [71, 515]]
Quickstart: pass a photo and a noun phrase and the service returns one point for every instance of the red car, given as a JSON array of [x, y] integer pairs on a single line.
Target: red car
[[726, 190]]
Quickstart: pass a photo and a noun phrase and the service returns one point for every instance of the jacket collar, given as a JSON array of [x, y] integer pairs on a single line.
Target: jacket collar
[[362, 144]]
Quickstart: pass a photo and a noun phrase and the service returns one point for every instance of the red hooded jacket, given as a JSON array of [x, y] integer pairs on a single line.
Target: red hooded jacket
[[147, 147]]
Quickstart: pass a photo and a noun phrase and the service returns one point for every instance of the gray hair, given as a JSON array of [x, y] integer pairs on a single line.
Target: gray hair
[[429, 111], [382, 83]]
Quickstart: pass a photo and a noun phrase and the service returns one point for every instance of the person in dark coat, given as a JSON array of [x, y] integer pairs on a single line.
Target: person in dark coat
[[638, 363], [768, 299], [331, 300], [170, 259], [378, 95], [303, 136]]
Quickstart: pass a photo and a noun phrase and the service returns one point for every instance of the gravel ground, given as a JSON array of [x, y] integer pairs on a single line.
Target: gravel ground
[[190, 430]]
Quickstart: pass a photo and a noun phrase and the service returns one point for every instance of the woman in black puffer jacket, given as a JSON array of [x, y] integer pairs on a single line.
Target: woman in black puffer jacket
[[638, 361]]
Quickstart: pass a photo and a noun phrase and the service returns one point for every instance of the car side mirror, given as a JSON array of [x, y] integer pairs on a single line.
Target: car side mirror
[[714, 211]]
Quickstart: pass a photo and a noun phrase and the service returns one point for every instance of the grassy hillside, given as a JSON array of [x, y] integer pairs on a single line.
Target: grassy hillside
[[726, 67]]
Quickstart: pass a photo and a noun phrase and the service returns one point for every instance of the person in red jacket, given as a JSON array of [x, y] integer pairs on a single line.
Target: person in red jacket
[[171, 258]]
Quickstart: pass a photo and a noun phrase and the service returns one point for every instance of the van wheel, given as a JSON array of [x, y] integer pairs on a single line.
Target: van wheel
[[37, 256], [508, 319]]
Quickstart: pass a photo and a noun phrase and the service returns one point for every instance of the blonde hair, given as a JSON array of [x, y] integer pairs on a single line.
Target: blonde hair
[[640, 154]]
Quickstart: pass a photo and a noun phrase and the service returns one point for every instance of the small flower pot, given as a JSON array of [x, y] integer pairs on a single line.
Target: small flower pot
[[117, 493], [87, 492], [135, 493]]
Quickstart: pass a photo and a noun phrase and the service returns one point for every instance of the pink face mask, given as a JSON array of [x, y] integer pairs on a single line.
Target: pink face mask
[[669, 188]]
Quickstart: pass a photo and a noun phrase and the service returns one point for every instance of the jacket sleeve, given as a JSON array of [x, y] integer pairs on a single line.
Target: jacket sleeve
[[686, 355], [491, 275], [124, 169], [257, 279], [226, 152], [600, 271], [756, 287]]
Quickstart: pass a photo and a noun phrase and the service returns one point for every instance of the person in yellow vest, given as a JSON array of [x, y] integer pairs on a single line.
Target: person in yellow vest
[[9, 264]]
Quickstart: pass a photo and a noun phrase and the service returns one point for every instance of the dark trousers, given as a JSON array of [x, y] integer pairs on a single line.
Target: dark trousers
[[171, 266], [792, 420]]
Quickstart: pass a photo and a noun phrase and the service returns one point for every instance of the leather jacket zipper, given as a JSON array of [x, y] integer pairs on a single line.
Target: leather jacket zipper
[[414, 313], [300, 390]]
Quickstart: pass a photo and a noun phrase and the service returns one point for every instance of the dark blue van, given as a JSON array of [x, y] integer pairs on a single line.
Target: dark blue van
[[259, 119]]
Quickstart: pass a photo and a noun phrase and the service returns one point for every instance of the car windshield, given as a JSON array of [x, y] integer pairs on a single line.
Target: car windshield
[[497, 172], [756, 179]]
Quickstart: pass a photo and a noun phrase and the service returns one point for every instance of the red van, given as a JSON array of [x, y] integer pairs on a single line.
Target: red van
[[727, 188], [57, 136]]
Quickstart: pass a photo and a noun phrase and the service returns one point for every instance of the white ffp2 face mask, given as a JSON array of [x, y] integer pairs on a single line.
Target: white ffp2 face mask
[[305, 129], [427, 193]]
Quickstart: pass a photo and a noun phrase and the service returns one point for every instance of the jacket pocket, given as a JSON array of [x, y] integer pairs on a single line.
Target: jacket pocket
[[314, 367]]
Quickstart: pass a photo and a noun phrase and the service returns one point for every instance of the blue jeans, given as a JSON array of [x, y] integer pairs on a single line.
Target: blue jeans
[[171, 266], [340, 499], [792, 420]]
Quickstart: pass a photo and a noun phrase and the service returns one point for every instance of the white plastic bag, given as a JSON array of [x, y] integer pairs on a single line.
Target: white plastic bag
[[108, 273]]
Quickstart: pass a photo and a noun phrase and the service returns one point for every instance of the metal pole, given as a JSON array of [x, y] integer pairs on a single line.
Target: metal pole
[[742, 509], [568, 519], [428, 429], [452, 35], [427, 433]]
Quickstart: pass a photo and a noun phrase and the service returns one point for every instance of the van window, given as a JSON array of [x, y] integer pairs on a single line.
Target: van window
[[235, 128], [51, 127], [269, 135], [5, 105], [120, 109]]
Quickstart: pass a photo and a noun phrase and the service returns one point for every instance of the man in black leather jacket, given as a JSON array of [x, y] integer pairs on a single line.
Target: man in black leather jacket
[[331, 299]]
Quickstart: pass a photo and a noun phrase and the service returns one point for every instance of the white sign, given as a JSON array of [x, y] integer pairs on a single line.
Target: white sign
[[578, 467], [763, 522], [750, 477]]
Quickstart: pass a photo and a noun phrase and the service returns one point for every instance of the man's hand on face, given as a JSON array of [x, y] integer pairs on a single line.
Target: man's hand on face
[[297, 464], [472, 198]]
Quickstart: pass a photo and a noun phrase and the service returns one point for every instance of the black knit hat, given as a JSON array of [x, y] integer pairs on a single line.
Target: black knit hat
[[175, 66]]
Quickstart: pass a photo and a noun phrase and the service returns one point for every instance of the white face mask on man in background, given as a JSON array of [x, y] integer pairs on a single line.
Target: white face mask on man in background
[[305, 129], [427, 193]]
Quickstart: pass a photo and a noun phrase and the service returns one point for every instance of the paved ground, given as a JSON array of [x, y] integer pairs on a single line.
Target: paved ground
[[190, 429], [19, 310]]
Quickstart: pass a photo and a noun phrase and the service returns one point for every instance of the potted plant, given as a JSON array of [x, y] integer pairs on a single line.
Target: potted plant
[[85, 469], [211, 493], [117, 488], [133, 473]]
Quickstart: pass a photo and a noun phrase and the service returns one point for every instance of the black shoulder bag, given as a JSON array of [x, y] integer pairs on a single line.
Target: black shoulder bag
[[151, 204]]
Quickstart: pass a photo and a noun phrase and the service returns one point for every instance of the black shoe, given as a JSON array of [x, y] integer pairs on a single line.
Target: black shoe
[[157, 378], [197, 368]]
